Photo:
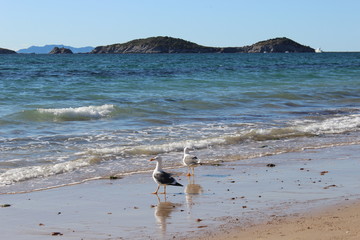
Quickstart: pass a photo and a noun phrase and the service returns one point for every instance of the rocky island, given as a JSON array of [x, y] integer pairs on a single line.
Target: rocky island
[[277, 45], [57, 50], [176, 45], [155, 45], [6, 51]]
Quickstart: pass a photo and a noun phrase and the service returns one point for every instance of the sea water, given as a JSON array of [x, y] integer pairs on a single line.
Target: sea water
[[69, 118]]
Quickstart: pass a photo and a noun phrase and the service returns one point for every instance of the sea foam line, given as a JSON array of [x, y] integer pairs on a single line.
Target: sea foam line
[[338, 124], [296, 129], [25, 173]]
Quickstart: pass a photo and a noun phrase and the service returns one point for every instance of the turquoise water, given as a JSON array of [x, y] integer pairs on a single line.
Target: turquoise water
[[66, 119]]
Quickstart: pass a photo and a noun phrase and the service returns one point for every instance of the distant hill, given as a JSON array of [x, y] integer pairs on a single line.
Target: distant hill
[[6, 51], [177, 45], [47, 48]]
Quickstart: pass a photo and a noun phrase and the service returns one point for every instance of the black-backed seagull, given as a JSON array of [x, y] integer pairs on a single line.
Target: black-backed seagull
[[162, 178]]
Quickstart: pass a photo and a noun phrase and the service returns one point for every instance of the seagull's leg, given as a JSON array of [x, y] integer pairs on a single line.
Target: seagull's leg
[[164, 189], [156, 190], [188, 174]]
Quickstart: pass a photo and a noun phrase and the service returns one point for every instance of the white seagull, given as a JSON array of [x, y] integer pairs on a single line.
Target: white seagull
[[162, 178], [190, 161]]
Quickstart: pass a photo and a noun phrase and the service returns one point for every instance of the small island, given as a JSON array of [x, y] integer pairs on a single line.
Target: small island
[[57, 50], [177, 45]]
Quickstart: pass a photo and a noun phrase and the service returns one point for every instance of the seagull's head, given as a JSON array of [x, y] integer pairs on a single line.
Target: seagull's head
[[157, 158], [186, 150]]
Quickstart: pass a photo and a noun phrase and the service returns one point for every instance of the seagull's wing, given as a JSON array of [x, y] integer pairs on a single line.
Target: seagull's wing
[[165, 178], [190, 160]]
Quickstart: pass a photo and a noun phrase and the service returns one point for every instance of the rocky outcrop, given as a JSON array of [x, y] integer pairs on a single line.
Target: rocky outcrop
[[57, 50], [278, 45], [6, 51], [176, 45]]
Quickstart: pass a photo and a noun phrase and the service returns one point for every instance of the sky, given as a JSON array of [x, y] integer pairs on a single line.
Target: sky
[[332, 25]]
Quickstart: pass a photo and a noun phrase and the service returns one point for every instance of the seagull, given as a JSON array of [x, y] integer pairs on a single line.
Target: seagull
[[161, 177], [190, 161]]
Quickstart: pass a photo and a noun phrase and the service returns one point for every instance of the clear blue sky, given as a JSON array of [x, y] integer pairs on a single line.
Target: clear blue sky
[[329, 24]]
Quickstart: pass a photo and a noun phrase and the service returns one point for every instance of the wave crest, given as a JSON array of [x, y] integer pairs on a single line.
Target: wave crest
[[80, 113], [67, 114]]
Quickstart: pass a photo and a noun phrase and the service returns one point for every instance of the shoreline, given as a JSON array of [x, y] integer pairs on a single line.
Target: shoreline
[[217, 200]]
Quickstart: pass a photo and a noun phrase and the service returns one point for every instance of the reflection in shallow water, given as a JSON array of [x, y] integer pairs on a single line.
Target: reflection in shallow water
[[163, 212], [165, 208], [191, 191]]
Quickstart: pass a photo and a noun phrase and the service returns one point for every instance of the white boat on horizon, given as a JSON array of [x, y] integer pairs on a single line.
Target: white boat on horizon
[[318, 50]]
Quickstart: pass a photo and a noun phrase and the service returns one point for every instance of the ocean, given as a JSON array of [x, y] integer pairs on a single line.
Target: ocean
[[66, 119]]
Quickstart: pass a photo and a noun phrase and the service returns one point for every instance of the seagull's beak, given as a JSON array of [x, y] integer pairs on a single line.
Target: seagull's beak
[[152, 159]]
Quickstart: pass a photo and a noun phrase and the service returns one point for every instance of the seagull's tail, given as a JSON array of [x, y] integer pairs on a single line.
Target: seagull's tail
[[177, 184]]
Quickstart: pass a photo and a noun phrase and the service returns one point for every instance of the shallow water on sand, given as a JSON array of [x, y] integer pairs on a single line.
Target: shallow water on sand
[[218, 198]]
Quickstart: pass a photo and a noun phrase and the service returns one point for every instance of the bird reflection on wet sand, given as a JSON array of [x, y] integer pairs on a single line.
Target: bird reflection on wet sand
[[191, 191], [163, 212]]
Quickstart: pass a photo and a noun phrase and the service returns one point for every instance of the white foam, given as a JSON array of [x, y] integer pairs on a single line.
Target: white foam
[[91, 112], [160, 148], [299, 128], [25, 173], [333, 125]]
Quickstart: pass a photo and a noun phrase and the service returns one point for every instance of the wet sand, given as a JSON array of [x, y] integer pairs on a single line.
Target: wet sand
[[221, 201]]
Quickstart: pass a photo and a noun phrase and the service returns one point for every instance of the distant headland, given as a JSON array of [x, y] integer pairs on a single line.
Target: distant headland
[[6, 51], [173, 45]]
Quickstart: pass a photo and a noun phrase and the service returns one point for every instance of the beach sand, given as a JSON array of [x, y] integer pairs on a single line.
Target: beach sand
[[339, 222], [312, 194]]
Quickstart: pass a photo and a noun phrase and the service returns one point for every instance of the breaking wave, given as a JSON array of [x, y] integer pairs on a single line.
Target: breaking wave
[[80, 113], [68, 114], [25, 173]]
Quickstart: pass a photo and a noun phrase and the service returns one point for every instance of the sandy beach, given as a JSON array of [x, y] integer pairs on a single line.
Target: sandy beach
[[339, 221], [312, 194]]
